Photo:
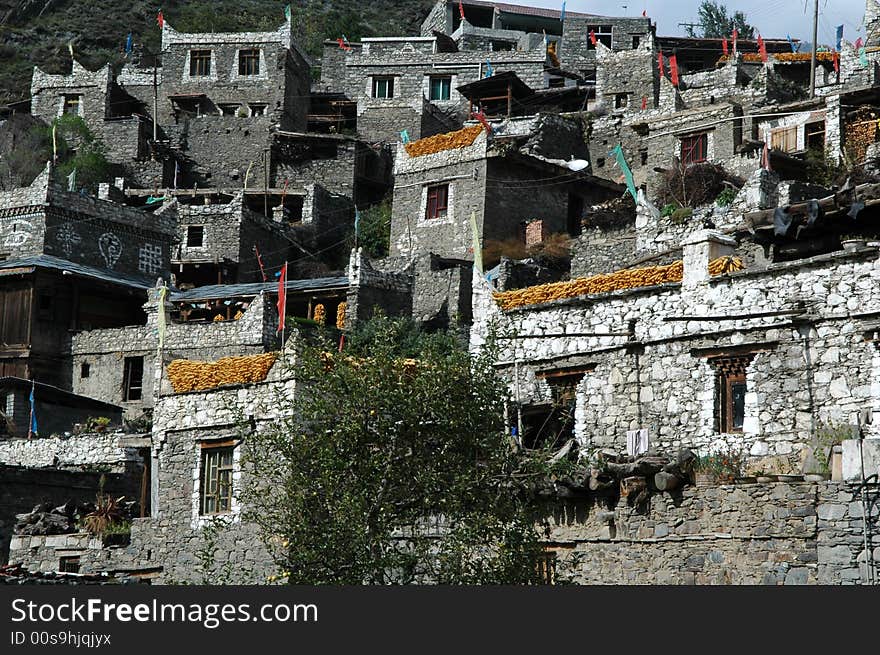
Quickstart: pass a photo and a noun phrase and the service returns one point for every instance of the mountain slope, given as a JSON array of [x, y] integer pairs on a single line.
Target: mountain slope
[[37, 32]]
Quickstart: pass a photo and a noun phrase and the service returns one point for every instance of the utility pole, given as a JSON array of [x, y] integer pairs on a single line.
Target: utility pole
[[155, 98], [813, 58]]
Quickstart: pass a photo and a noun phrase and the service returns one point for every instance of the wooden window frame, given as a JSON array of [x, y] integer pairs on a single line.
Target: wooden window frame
[[695, 149], [215, 477], [784, 139], [200, 63], [730, 372], [69, 564], [437, 202], [249, 62], [72, 104], [545, 565], [132, 392]]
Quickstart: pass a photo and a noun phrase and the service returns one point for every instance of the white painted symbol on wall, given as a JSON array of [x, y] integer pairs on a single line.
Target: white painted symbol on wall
[[150, 259], [110, 247], [19, 234], [68, 238]]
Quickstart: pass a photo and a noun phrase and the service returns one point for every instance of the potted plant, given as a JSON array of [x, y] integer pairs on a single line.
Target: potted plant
[[717, 468]]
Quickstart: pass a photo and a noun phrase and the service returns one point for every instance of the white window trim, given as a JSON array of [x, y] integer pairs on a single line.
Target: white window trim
[[454, 95], [204, 237], [236, 76], [200, 78], [371, 82], [234, 514], [450, 205], [79, 109]]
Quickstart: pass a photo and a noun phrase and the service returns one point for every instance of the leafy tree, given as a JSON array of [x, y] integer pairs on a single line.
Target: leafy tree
[[716, 23], [24, 150], [79, 149], [394, 467], [374, 230]]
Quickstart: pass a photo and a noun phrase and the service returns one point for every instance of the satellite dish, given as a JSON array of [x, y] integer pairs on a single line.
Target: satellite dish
[[577, 164]]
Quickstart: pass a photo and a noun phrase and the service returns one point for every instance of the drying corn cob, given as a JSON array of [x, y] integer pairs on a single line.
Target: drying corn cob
[[186, 375], [441, 142]]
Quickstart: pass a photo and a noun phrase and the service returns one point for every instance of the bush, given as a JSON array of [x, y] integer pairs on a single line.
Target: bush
[[679, 216], [693, 186], [726, 197]]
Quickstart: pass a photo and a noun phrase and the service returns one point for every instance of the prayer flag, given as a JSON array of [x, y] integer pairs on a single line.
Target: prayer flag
[[562, 15], [660, 64], [161, 20], [725, 47], [489, 71], [71, 181], [460, 9], [282, 297], [478, 249], [357, 223], [863, 57], [617, 153], [645, 13], [593, 38], [404, 136], [794, 47], [163, 292], [765, 159], [673, 70], [128, 44], [762, 49], [839, 36], [644, 102], [287, 12], [32, 429]]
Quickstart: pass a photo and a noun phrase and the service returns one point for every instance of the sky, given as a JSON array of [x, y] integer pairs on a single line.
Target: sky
[[772, 18]]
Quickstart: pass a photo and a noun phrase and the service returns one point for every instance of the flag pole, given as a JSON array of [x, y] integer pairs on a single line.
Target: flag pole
[[282, 315]]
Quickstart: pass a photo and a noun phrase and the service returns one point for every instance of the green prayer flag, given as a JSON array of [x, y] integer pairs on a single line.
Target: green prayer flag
[[617, 153], [287, 12], [863, 57]]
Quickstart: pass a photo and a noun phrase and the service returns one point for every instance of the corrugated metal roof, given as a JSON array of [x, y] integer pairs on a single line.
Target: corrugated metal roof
[[48, 261], [217, 291], [46, 391]]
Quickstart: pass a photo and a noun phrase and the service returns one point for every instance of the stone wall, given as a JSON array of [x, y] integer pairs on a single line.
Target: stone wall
[[769, 534], [603, 250], [82, 451], [801, 374], [577, 53], [48, 94]]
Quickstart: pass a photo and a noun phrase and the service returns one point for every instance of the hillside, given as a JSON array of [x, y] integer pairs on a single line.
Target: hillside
[[37, 32]]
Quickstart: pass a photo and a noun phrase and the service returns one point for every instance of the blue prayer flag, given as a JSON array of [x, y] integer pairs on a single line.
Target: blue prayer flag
[[128, 44], [562, 16], [489, 71], [32, 431], [839, 36]]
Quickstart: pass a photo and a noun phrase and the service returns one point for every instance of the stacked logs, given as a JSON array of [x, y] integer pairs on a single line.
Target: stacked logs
[[860, 132], [624, 279], [186, 375], [440, 142]]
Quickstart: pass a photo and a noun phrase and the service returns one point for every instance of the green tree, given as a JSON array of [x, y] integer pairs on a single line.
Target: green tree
[[24, 150], [716, 23], [374, 230], [394, 467], [78, 149]]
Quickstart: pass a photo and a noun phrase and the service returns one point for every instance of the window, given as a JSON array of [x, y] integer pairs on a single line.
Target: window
[[621, 100], [133, 379], [602, 33], [258, 109], [72, 104], [85, 370], [502, 46], [383, 87], [589, 76], [784, 139], [600, 162], [199, 63], [195, 236], [731, 392], [815, 136], [215, 479], [694, 149], [438, 201], [69, 564], [556, 82], [636, 41], [441, 87], [643, 157], [546, 565], [229, 110], [249, 62]]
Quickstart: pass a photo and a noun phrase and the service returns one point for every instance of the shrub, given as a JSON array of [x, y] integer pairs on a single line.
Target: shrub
[[726, 197], [694, 185]]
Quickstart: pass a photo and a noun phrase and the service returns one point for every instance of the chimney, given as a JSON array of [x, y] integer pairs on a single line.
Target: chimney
[[698, 250]]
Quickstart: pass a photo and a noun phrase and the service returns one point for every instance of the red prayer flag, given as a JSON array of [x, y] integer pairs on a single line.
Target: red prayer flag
[[644, 102], [161, 20], [858, 43], [725, 47], [645, 13], [660, 63], [282, 297], [762, 49], [673, 70], [593, 37], [837, 62], [735, 34], [460, 9], [766, 157]]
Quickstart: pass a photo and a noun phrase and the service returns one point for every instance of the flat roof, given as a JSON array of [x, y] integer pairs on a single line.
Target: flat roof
[[218, 291]]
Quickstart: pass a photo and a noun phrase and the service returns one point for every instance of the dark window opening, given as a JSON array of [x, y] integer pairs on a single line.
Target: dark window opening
[[621, 100], [85, 370], [383, 87], [603, 34], [440, 88], [815, 136], [503, 46], [133, 379], [575, 214], [215, 479], [249, 62], [258, 109], [438, 201], [600, 162], [229, 110], [195, 236], [636, 40], [643, 157], [731, 391], [589, 76], [69, 564], [694, 149], [550, 426], [546, 567], [199, 63]]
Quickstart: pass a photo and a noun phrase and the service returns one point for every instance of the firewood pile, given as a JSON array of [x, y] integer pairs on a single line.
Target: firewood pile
[[634, 478], [860, 132], [440, 142], [624, 279]]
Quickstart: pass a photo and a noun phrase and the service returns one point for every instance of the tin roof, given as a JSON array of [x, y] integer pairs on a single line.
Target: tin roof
[[218, 291], [28, 264]]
